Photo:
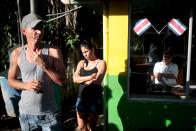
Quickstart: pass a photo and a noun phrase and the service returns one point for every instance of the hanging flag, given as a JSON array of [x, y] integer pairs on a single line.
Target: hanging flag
[[141, 26], [177, 26]]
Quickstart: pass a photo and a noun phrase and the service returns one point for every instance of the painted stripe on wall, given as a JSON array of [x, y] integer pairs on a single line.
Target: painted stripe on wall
[[117, 44]]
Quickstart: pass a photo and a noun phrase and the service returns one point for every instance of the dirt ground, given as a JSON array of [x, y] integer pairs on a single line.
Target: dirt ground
[[12, 124], [9, 123]]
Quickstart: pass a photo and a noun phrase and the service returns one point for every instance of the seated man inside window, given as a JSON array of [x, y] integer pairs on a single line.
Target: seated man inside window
[[166, 72]]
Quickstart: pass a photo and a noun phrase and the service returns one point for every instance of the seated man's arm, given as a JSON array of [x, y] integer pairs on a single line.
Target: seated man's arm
[[168, 75], [156, 72]]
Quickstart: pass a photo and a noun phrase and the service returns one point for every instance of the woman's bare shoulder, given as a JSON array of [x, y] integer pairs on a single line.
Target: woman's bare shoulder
[[103, 62], [81, 63]]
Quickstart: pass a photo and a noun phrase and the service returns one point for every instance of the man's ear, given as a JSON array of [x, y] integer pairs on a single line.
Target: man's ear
[[23, 31]]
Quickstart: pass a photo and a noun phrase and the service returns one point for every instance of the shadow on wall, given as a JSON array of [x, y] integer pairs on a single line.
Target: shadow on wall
[[150, 116], [108, 96], [123, 104]]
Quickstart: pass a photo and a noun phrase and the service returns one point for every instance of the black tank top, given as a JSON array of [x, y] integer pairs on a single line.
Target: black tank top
[[92, 91]]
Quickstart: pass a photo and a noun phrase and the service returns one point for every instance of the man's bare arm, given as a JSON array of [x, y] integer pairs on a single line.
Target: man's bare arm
[[13, 73], [13, 70], [56, 72]]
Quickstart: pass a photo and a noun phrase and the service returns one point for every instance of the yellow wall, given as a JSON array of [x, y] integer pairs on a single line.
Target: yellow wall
[[115, 31]]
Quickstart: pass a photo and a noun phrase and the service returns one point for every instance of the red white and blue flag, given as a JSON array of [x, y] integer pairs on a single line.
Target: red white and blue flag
[[141, 26], [177, 26]]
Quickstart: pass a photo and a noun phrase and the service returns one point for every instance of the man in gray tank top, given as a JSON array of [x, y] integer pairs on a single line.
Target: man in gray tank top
[[39, 65]]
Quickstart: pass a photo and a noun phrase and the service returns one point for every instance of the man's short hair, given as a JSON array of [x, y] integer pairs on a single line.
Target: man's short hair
[[168, 53], [31, 20]]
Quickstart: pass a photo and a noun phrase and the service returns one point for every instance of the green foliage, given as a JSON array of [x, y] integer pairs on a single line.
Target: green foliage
[[57, 32], [71, 40], [8, 29], [9, 41]]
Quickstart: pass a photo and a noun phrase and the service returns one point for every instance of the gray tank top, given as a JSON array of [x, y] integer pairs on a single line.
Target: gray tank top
[[32, 102]]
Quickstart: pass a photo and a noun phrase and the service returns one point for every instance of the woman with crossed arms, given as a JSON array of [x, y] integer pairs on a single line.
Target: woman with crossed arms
[[89, 74]]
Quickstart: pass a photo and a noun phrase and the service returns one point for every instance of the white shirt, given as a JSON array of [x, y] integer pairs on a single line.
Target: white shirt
[[172, 68]]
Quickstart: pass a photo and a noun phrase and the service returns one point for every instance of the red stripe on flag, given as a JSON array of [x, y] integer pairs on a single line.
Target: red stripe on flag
[[141, 25], [177, 26]]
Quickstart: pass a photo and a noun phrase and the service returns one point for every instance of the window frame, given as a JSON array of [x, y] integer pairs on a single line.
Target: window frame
[[147, 97]]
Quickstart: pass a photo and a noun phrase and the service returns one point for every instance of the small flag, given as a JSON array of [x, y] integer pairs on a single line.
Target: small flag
[[177, 26], [141, 26]]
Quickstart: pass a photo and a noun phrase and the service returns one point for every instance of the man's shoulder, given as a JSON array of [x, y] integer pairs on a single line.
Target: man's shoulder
[[159, 63], [174, 64], [52, 49], [50, 46], [16, 51]]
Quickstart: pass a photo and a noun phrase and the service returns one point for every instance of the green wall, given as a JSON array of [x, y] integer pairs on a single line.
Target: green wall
[[127, 115]]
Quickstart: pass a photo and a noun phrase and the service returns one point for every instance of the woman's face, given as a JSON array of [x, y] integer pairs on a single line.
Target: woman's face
[[87, 53]]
